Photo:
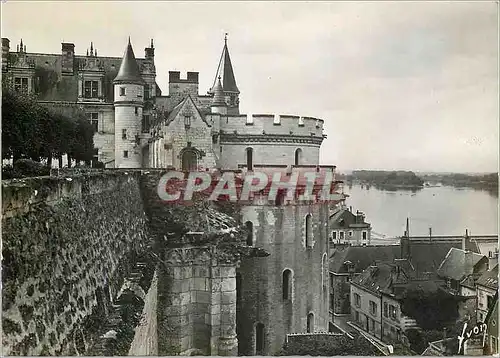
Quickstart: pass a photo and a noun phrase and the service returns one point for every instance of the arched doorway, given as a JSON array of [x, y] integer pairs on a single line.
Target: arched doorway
[[259, 339], [189, 160]]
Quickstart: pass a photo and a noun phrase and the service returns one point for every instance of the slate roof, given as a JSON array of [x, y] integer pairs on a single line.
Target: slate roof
[[129, 69], [458, 264], [394, 279], [345, 219], [64, 87], [489, 278], [362, 257], [218, 99], [226, 73], [426, 256]]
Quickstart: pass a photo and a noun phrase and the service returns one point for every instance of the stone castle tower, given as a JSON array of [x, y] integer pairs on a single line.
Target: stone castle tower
[[129, 93]]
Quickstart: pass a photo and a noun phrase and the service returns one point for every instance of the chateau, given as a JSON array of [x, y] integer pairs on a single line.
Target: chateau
[[137, 126]]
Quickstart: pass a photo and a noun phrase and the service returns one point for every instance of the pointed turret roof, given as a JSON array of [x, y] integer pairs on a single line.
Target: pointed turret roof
[[129, 69], [225, 72], [218, 99]]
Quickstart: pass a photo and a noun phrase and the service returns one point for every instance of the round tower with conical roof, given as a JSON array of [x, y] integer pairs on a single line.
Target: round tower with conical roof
[[129, 102]]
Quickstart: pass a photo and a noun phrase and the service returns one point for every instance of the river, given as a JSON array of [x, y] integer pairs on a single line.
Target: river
[[447, 210]]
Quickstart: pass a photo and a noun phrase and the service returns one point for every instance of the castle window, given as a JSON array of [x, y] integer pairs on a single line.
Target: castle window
[[287, 284], [91, 89], [350, 233], [94, 120], [249, 152], [373, 308], [122, 91], [249, 226], [298, 156], [125, 154], [136, 111], [21, 84], [145, 123], [187, 121], [147, 91], [334, 235], [364, 235], [310, 322], [124, 134], [259, 339], [214, 138], [308, 230], [341, 235]]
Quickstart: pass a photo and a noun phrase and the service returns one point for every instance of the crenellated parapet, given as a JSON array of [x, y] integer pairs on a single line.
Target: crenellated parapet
[[271, 125]]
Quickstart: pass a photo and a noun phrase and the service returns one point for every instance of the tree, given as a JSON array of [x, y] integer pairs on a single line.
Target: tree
[[433, 310], [32, 131]]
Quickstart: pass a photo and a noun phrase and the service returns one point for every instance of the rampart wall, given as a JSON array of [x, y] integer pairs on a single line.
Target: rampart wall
[[69, 244]]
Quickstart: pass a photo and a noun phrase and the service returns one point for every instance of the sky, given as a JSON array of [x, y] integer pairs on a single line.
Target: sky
[[400, 85]]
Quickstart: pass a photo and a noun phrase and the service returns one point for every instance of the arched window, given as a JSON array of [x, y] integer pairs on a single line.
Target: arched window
[[308, 230], [259, 339], [189, 160], [287, 284], [298, 156], [324, 270], [249, 227], [310, 322], [249, 158]]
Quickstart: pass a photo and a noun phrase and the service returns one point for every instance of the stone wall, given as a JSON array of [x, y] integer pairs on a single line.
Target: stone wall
[[68, 244], [341, 294]]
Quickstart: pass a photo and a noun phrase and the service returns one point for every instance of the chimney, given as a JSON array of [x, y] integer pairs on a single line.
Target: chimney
[[193, 77], [68, 58], [465, 239], [492, 259], [5, 52], [150, 51]]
